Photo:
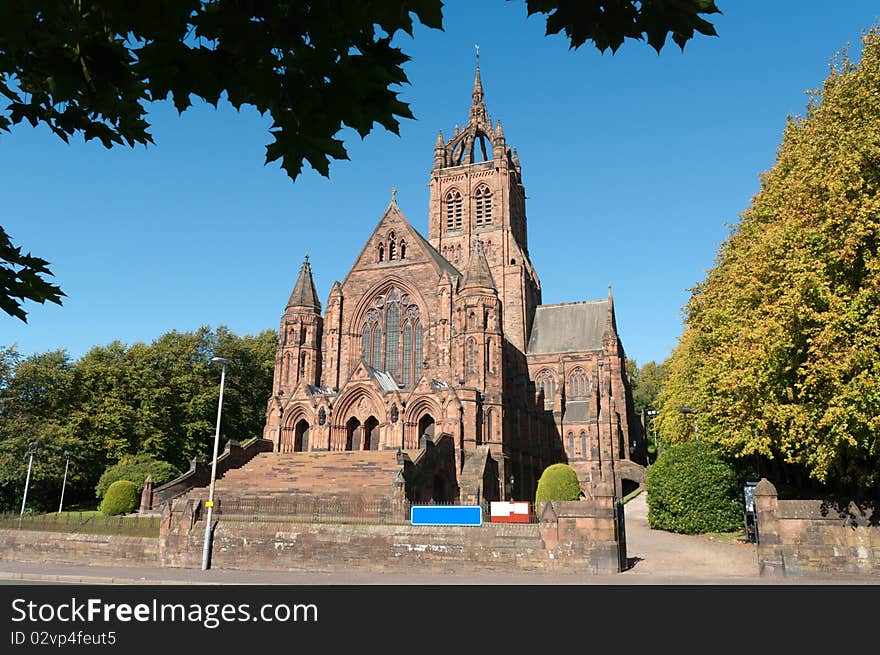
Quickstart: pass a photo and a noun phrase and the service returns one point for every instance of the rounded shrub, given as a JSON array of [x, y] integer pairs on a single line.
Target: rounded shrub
[[136, 468], [121, 498], [558, 482], [692, 489]]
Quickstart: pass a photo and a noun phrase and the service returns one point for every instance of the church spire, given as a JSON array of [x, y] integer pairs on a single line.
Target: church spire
[[304, 294], [479, 114], [477, 274]]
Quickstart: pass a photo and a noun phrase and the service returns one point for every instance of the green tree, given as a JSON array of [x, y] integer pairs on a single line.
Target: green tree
[[558, 482], [647, 381], [91, 67], [779, 353]]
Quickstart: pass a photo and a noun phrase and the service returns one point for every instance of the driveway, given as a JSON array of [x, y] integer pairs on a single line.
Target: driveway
[[661, 554]]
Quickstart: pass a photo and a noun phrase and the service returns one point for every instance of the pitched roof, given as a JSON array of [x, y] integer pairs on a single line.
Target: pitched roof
[[568, 327], [304, 294], [477, 273]]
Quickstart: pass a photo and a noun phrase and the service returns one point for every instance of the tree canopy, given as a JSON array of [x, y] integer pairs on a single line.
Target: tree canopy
[[779, 356], [91, 67], [156, 400]]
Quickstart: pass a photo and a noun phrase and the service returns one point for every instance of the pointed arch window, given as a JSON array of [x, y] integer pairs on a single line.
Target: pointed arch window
[[570, 445], [392, 251], [407, 353], [376, 359], [365, 345], [489, 425], [419, 350], [392, 338], [381, 253], [453, 210], [483, 205], [578, 386], [402, 249], [547, 383], [583, 444]]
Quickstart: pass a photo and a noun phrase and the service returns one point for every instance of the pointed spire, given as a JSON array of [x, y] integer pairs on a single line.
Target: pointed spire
[[479, 114], [499, 131], [610, 320], [304, 294], [439, 143], [477, 273]]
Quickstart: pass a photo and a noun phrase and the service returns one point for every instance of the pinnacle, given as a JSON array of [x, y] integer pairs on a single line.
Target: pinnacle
[[304, 294], [477, 273]]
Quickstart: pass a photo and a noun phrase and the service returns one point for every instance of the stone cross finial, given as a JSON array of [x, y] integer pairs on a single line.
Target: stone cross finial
[[394, 194], [477, 48]]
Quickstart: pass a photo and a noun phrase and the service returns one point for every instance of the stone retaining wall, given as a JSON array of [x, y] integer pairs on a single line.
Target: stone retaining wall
[[77, 548], [812, 538]]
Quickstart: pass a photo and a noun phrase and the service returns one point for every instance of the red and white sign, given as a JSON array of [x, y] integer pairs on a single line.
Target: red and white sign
[[506, 512]]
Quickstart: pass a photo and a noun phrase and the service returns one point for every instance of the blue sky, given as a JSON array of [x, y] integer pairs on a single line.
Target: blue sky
[[634, 166]]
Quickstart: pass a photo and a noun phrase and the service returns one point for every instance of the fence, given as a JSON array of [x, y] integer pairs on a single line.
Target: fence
[[84, 522]]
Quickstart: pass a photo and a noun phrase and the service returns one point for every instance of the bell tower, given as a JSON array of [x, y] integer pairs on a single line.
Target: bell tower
[[298, 359], [477, 194]]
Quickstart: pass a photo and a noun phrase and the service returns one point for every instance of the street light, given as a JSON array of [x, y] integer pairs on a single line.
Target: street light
[[652, 414], [687, 410], [210, 504], [32, 448], [67, 454]]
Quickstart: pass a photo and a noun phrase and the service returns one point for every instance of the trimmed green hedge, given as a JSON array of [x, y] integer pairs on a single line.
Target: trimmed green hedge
[[121, 498], [692, 489], [136, 468], [558, 482]]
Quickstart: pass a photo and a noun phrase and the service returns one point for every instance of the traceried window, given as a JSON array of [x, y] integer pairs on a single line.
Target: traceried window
[[407, 354], [366, 344], [392, 338], [578, 387], [376, 361], [419, 350], [547, 383], [483, 205], [453, 210]]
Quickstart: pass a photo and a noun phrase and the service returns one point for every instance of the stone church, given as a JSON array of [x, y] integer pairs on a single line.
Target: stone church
[[443, 339]]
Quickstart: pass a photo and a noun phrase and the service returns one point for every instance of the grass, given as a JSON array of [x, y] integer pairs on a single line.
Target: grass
[[87, 522], [726, 537]]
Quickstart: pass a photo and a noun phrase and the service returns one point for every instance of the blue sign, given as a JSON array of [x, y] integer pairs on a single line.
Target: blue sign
[[446, 515]]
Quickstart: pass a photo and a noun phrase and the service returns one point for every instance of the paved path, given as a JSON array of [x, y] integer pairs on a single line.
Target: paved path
[[661, 554]]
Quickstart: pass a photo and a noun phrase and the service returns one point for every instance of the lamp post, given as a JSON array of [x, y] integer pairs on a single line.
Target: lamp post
[[686, 411], [210, 504], [32, 448], [652, 414], [67, 454]]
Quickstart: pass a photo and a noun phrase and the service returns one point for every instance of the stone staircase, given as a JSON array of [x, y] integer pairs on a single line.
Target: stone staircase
[[363, 474]]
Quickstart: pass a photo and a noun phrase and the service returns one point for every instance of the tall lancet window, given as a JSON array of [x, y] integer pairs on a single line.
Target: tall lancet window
[[471, 356], [366, 343], [483, 203], [419, 347], [453, 210], [407, 354], [376, 360], [392, 337]]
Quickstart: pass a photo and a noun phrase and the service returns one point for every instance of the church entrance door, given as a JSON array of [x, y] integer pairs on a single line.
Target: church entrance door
[[371, 434], [351, 433], [301, 436]]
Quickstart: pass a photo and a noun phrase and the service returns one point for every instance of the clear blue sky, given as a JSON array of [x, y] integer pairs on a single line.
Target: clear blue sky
[[634, 165]]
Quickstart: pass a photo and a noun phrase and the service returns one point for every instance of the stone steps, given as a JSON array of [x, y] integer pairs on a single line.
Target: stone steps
[[341, 474]]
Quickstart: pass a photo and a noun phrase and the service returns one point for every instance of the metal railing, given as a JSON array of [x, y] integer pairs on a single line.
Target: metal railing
[[83, 522]]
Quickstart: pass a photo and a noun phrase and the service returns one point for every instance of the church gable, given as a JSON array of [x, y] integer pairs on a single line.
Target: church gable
[[395, 244]]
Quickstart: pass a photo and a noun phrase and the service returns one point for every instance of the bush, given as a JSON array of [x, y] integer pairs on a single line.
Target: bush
[[558, 482], [121, 498], [692, 490], [135, 469]]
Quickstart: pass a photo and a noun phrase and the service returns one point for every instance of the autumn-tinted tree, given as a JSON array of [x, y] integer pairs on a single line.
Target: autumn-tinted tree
[[781, 351], [647, 381], [91, 67]]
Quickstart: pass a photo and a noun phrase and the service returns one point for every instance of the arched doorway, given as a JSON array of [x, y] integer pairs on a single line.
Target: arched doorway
[[371, 434], [426, 427], [301, 436], [351, 433]]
